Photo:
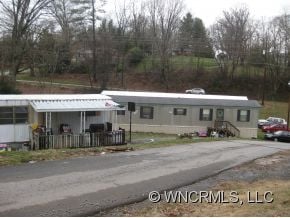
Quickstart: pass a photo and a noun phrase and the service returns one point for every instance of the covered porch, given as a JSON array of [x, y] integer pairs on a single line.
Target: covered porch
[[75, 124]]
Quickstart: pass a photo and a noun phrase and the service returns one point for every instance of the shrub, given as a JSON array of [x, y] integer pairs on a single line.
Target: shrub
[[7, 88], [135, 56], [79, 68]]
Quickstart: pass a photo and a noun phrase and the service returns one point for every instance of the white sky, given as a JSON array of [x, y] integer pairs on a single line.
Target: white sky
[[210, 10]]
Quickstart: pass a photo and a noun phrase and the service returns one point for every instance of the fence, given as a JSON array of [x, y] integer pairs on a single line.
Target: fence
[[85, 140]]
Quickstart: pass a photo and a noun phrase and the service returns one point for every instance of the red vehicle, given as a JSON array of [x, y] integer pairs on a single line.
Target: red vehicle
[[274, 128]]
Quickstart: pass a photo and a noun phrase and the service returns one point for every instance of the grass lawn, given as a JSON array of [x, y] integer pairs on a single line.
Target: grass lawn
[[178, 62], [274, 109], [18, 157]]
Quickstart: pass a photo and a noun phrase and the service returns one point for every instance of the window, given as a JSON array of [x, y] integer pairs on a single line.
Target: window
[[21, 115], [90, 113], [205, 114], [13, 115], [179, 111], [146, 112], [93, 113], [121, 113], [243, 115], [6, 115]]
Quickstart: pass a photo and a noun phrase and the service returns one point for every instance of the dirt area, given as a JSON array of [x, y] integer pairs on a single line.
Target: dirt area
[[133, 81], [269, 174], [42, 89], [147, 80]]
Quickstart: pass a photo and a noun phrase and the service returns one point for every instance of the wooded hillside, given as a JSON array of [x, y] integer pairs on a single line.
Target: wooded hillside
[[146, 45]]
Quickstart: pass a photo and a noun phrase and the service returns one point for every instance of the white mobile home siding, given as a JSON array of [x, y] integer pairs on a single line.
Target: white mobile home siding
[[10, 133], [14, 132], [164, 121]]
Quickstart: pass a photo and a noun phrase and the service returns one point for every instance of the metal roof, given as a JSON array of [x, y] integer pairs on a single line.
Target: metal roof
[[53, 97], [219, 102], [172, 95], [74, 105], [65, 103]]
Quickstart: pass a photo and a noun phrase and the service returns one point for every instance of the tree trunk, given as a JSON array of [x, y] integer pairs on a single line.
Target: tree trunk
[[94, 42]]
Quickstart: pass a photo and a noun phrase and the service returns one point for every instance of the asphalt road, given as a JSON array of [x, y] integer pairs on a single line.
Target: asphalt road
[[84, 186]]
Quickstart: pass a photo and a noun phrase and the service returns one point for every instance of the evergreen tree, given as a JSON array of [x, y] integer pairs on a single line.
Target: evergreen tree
[[193, 37], [186, 32], [201, 43]]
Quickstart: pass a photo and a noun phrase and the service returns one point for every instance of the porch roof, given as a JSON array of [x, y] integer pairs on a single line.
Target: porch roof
[[74, 105]]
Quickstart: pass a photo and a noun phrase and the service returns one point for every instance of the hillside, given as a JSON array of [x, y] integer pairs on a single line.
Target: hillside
[[186, 73]]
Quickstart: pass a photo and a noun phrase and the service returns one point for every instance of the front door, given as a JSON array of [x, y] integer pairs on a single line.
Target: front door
[[219, 117], [220, 114]]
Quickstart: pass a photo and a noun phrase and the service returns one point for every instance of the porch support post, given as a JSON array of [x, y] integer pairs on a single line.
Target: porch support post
[[84, 121], [116, 120], [46, 120], [81, 123], [50, 126]]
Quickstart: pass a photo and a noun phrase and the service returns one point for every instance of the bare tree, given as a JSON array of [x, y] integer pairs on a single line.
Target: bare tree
[[139, 23], [164, 20], [278, 54], [18, 16], [89, 13], [231, 34], [123, 17], [62, 12]]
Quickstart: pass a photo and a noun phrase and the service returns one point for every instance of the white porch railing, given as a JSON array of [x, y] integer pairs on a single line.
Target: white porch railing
[[86, 140]]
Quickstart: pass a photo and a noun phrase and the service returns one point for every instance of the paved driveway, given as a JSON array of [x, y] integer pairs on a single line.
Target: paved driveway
[[83, 186]]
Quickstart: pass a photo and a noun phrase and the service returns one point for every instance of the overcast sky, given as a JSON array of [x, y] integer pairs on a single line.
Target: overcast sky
[[209, 10]]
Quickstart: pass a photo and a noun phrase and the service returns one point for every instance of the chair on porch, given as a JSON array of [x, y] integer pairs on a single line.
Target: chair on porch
[[64, 129]]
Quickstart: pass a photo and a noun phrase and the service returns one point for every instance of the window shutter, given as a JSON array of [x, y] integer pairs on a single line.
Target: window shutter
[[248, 115], [175, 111], [201, 114], [151, 113], [210, 116]]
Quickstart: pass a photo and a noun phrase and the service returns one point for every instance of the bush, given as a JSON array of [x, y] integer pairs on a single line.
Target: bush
[[7, 88], [135, 56], [79, 68]]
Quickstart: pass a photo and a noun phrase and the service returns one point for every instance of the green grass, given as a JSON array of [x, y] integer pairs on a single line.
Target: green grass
[[170, 142], [178, 62], [274, 109], [18, 157]]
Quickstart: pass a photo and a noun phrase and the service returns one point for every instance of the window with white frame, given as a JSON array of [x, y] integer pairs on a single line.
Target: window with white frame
[[205, 114], [179, 111], [146, 112], [121, 113], [20, 115], [244, 115], [13, 115]]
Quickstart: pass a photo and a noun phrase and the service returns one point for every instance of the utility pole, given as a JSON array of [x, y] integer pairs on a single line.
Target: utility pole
[[288, 117], [264, 77]]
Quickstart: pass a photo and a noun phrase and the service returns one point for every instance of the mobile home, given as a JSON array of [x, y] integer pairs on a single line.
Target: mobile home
[[184, 113], [22, 115]]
